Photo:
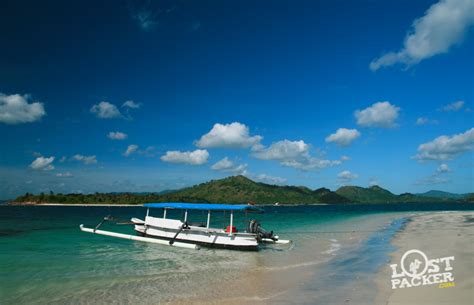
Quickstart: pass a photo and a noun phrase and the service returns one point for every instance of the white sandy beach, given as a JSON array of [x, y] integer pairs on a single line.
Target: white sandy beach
[[442, 234]]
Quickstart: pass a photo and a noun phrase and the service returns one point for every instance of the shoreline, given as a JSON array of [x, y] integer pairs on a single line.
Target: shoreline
[[463, 204], [79, 204], [141, 204]]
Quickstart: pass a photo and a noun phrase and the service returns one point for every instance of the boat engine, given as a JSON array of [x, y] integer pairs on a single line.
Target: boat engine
[[255, 228]]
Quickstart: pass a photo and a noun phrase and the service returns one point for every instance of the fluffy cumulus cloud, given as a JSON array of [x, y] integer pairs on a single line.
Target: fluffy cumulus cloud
[[117, 135], [443, 26], [292, 154], [269, 179], [282, 150], [106, 110], [227, 165], [346, 176], [131, 104], [42, 163], [443, 168], [234, 135], [132, 148], [197, 157], [15, 109], [446, 147], [343, 136], [455, 106], [380, 114], [223, 164], [87, 160]]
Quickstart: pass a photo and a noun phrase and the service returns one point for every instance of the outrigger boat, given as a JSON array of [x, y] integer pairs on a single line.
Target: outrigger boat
[[181, 233]]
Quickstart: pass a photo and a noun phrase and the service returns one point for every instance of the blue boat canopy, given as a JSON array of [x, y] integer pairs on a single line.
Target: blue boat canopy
[[203, 206]]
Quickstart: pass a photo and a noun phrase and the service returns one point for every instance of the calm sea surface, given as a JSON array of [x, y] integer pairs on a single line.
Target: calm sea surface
[[46, 259]]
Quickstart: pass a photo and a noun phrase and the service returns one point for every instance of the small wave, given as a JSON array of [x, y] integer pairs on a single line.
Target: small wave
[[304, 264], [335, 246]]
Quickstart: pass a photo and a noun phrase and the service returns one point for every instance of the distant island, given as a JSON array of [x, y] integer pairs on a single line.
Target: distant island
[[240, 189]]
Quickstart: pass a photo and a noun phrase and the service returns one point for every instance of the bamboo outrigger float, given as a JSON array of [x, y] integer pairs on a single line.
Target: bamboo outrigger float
[[181, 233]]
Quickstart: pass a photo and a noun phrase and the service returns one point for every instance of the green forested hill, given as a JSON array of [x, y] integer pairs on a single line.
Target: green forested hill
[[240, 189], [368, 195], [376, 194]]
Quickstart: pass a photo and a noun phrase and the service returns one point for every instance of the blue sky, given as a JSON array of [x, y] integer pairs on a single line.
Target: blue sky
[[154, 95]]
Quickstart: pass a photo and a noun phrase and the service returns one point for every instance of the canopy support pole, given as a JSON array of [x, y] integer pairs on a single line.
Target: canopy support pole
[[164, 213], [231, 222], [208, 219], [185, 215]]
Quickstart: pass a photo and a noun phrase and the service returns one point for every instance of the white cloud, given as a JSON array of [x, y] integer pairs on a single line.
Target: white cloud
[[345, 158], [227, 165], [373, 182], [64, 175], [432, 180], [346, 176], [292, 154], [443, 168], [446, 147], [437, 177], [106, 110], [117, 135], [63, 159], [455, 106], [425, 121], [132, 148], [131, 104], [310, 163], [150, 151], [343, 136], [87, 160], [234, 135], [42, 163], [422, 121], [15, 109], [197, 157], [223, 164], [269, 179], [282, 150], [443, 26], [380, 114], [145, 18]]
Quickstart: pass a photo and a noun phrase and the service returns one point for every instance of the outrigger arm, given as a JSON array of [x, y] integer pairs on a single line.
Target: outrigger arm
[[139, 238]]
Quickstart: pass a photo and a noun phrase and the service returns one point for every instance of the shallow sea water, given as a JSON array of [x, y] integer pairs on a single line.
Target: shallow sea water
[[46, 259]]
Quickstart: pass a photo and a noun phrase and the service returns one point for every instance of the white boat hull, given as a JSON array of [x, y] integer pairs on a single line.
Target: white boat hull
[[166, 229]]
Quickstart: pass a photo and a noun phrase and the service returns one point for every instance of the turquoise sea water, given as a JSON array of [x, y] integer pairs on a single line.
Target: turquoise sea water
[[46, 259]]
